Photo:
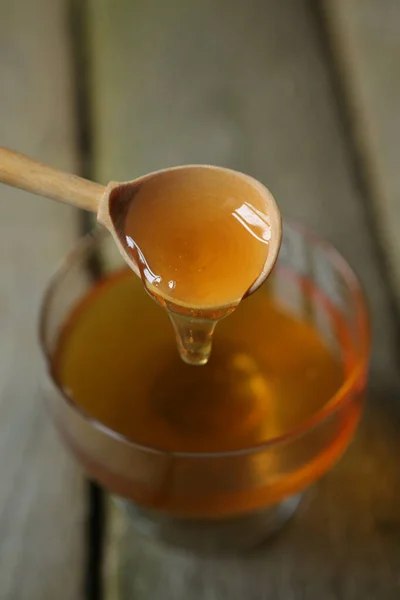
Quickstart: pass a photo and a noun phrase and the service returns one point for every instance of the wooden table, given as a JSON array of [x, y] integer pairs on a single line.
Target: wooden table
[[292, 92]]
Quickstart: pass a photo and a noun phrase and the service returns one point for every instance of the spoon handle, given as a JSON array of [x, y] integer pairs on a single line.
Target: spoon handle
[[27, 174]]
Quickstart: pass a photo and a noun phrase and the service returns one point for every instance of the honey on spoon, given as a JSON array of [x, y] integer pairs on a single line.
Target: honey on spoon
[[200, 237]]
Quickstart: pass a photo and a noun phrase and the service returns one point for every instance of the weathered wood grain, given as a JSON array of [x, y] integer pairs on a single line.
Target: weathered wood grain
[[365, 36], [41, 491], [245, 85]]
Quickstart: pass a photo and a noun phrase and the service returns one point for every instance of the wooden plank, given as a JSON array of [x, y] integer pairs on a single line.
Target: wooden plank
[[365, 36], [42, 490], [243, 85]]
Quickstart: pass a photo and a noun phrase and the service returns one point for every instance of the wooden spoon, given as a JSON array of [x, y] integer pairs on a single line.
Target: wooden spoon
[[110, 202]]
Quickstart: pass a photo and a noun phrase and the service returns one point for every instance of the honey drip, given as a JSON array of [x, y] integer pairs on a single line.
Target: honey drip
[[200, 242]]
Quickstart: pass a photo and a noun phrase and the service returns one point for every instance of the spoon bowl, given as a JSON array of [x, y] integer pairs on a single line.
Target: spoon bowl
[[252, 205]]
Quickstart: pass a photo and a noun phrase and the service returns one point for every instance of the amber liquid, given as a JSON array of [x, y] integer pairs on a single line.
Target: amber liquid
[[200, 242], [268, 374]]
